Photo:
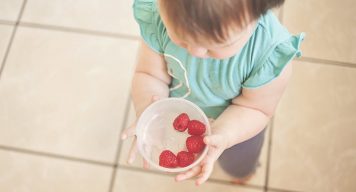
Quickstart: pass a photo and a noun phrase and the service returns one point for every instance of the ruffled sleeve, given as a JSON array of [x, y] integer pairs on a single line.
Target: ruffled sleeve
[[273, 62], [147, 17]]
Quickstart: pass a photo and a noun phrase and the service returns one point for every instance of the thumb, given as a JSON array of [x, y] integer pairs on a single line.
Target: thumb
[[129, 132]]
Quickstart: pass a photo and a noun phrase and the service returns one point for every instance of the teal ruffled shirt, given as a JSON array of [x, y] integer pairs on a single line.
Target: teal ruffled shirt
[[213, 83]]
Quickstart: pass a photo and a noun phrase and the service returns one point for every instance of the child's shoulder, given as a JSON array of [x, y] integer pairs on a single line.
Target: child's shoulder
[[145, 9], [151, 26], [148, 6], [272, 47], [272, 28]]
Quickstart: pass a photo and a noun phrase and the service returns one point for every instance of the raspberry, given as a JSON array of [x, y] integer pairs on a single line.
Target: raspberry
[[168, 159], [195, 144], [185, 158], [181, 122], [196, 127]]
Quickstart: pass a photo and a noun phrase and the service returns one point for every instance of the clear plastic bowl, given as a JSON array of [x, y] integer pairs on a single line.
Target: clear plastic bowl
[[155, 131]]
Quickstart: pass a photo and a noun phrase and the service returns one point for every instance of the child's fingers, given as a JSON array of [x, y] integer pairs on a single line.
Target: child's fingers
[[133, 152], [206, 172], [208, 166], [191, 173], [129, 132], [146, 165]]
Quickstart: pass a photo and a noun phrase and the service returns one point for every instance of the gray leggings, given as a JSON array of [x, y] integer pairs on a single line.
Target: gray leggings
[[242, 159]]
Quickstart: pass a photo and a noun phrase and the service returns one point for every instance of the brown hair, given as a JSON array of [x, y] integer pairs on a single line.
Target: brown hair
[[212, 18]]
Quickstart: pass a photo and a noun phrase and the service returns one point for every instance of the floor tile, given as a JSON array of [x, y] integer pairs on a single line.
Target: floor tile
[[10, 9], [313, 145], [25, 172], [127, 180], [114, 16], [65, 93], [329, 25], [5, 34]]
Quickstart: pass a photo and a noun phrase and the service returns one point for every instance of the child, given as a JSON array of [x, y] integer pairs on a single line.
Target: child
[[230, 57]]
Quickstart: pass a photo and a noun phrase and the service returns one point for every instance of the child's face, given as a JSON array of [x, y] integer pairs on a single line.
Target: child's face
[[203, 49]]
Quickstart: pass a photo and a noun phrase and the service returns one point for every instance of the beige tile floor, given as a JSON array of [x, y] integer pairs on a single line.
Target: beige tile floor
[[64, 99]]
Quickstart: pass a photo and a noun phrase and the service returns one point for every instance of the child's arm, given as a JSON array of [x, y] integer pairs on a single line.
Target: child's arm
[[251, 111], [248, 114], [150, 80]]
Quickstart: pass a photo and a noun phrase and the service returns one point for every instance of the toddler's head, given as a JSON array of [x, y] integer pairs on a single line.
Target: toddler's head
[[212, 28]]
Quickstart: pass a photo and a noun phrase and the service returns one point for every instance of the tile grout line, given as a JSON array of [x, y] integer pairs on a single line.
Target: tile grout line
[[133, 37], [22, 9], [55, 156], [12, 37], [6, 22], [216, 181], [282, 190], [119, 145], [223, 182], [269, 147], [71, 29], [2, 66], [326, 62], [79, 30]]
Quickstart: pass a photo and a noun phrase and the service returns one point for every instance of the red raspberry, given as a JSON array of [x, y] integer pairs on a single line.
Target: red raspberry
[[196, 127], [195, 144], [181, 122], [185, 158], [168, 159]]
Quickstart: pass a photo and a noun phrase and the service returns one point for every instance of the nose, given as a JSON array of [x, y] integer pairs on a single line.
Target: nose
[[197, 51]]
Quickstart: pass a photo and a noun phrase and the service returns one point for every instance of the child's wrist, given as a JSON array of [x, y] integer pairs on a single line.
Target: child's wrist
[[218, 130]]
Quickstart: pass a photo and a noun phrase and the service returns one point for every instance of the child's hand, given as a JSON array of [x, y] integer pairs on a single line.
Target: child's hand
[[131, 132], [216, 144]]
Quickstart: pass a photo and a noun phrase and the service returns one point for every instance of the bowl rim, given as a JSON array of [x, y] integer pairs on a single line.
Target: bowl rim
[[139, 135]]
